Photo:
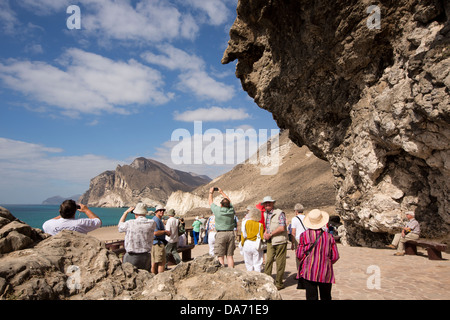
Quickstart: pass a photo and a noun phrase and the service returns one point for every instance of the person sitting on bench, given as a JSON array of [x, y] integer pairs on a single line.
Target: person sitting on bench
[[410, 232]]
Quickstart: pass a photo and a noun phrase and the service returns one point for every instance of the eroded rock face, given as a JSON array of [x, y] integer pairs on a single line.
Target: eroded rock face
[[74, 266], [373, 102]]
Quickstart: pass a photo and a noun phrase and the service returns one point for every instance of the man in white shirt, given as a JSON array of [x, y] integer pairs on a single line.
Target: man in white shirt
[[297, 227], [172, 240], [66, 219], [139, 234]]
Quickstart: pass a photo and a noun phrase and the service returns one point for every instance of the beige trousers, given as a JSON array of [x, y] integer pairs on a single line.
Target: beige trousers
[[399, 241]]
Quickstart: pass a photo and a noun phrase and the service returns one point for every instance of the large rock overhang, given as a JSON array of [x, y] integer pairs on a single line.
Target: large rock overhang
[[365, 87]]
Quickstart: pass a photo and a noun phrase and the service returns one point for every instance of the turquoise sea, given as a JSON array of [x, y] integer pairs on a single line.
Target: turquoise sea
[[36, 215]]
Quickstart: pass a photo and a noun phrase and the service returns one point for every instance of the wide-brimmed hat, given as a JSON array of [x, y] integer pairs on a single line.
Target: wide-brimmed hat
[[267, 199], [159, 207], [316, 219], [140, 208]]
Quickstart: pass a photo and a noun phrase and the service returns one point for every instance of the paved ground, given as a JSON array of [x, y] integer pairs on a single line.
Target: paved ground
[[372, 274]]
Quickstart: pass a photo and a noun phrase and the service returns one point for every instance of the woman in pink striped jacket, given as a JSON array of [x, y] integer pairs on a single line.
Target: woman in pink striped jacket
[[316, 265]]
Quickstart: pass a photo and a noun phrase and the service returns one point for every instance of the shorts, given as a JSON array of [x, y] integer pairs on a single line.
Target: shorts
[[159, 253], [224, 245], [140, 261]]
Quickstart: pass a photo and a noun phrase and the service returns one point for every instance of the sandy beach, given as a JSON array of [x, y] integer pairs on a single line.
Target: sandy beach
[[361, 273]]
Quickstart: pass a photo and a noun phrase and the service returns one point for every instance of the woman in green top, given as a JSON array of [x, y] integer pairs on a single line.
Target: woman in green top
[[196, 229]]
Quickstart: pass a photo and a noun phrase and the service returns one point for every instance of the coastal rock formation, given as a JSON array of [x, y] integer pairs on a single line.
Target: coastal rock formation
[[143, 180], [365, 88], [15, 234], [74, 266], [300, 177]]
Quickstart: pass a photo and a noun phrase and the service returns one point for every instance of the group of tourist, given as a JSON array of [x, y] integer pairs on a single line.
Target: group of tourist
[[264, 234]]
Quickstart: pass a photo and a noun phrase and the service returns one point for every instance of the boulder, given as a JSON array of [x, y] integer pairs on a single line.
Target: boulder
[[75, 266]]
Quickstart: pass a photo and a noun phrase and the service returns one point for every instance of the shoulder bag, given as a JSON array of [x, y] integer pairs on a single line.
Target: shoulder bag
[[301, 283]]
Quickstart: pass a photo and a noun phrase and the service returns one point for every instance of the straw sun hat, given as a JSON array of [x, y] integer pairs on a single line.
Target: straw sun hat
[[316, 219], [141, 208]]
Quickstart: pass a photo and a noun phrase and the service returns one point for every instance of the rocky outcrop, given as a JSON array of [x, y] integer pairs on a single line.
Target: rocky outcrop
[[15, 234], [144, 180], [300, 177], [205, 279], [74, 266], [373, 102]]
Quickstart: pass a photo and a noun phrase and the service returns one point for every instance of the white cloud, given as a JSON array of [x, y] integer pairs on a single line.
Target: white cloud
[[192, 78], [216, 10], [85, 82], [212, 114], [204, 86], [11, 150], [45, 7], [174, 59], [8, 18], [32, 170], [144, 20], [154, 20]]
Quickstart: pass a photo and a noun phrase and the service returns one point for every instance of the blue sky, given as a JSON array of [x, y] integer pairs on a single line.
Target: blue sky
[[77, 102]]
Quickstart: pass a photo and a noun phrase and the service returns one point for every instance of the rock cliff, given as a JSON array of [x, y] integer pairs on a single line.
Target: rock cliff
[[143, 180], [368, 93]]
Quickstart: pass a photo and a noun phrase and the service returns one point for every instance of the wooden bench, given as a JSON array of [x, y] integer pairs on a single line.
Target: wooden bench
[[434, 249], [116, 246], [186, 254]]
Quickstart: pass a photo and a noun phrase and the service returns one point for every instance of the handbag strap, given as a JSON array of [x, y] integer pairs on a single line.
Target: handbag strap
[[304, 229], [309, 251], [315, 242]]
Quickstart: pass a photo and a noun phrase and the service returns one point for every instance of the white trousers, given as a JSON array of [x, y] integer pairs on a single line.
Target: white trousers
[[252, 257], [211, 242]]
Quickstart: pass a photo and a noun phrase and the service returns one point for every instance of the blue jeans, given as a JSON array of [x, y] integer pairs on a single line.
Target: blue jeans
[[196, 236]]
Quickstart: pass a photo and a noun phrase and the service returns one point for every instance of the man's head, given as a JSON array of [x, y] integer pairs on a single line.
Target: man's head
[[409, 214], [225, 203], [159, 211], [268, 203], [298, 208], [67, 209]]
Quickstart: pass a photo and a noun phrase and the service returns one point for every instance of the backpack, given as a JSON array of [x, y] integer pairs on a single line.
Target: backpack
[[181, 229]]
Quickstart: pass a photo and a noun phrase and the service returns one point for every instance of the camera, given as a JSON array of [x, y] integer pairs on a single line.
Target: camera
[[78, 207], [216, 189]]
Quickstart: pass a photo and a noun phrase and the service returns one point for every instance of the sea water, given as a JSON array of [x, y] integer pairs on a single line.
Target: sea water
[[36, 215]]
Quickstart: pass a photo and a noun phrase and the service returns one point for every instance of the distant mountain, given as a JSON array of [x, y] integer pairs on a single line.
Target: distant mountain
[[57, 200], [145, 180], [300, 177]]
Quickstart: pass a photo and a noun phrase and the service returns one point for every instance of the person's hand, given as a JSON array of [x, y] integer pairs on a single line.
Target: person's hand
[[83, 207], [130, 209], [211, 190]]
